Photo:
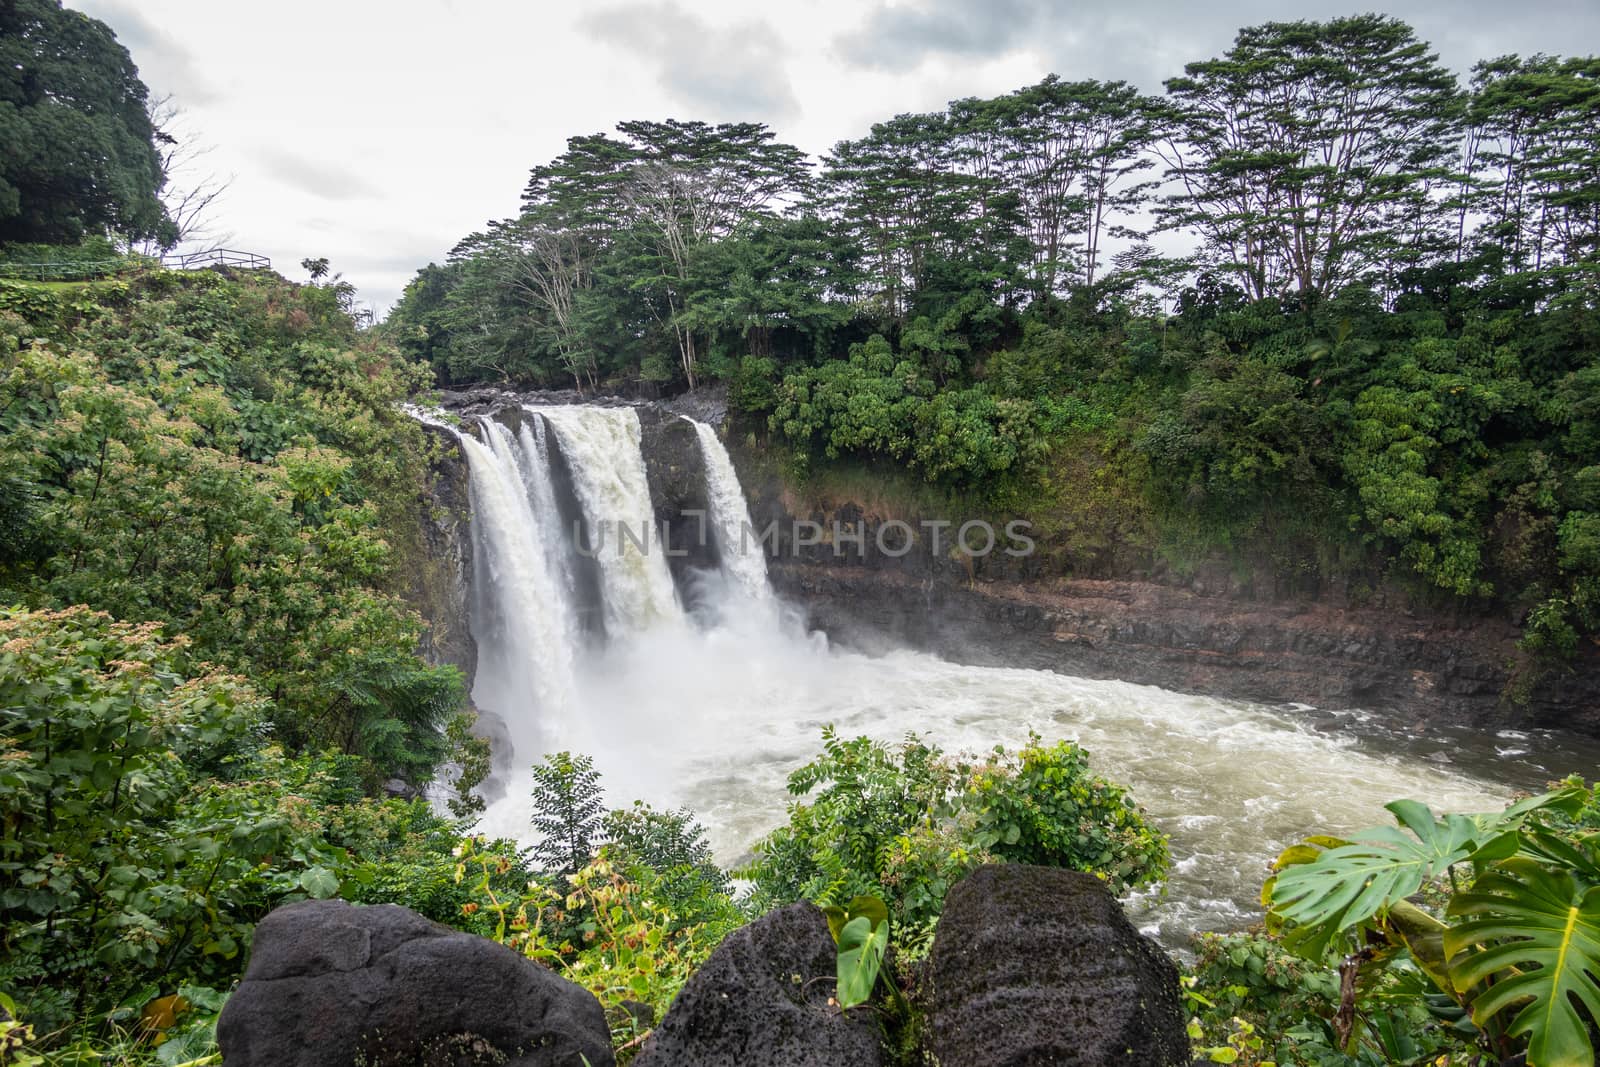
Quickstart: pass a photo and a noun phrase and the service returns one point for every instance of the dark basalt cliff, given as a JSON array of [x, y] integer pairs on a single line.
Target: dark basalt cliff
[[1008, 610], [1424, 669], [440, 590]]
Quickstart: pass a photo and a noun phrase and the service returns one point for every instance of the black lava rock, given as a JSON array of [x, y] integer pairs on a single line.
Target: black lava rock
[[334, 985], [764, 997], [1037, 965]]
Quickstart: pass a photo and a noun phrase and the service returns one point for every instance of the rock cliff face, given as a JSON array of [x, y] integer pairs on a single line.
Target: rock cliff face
[[863, 584], [677, 474], [441, 589]]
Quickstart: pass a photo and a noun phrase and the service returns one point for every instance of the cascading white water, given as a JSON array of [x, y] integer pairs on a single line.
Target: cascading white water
[[744, 561], [522, 618], [601, 446], [535, 468], [714, 717]]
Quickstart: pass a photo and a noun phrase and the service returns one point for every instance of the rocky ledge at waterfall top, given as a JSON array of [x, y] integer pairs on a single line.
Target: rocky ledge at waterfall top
[[1204, 636]]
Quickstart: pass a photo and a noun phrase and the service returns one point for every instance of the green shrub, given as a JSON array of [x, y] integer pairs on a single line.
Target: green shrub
[[125, 868], [1042, 806], [904, 824], [669, 849]]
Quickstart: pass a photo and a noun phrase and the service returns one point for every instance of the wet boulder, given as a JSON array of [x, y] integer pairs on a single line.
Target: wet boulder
[[676, 472], [766, 997], [1037, 965], [331, 984]]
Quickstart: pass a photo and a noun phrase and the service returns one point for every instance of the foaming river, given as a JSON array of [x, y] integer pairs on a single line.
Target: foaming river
[[715, 719]]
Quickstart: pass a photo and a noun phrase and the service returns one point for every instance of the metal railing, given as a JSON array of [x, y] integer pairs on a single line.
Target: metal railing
[[88, 270], [217, 257]]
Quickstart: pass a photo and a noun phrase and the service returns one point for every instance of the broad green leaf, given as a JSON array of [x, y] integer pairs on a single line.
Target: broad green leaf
[[1423, 936], [1350, 884], [319, 883], [836, 919], [871, 907], [1537, 933], [861, 949]]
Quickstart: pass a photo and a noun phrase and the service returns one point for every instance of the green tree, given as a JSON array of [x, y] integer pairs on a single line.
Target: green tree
[[1308, 156], [568, 808], [1072, 153], [1534, 156], [80, 153]]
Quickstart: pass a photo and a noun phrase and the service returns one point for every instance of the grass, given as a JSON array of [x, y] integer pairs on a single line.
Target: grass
[[61, 287]]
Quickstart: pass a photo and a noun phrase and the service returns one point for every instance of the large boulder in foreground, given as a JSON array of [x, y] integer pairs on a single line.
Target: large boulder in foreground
[[335, 985], [1037, 965], [764, 998]]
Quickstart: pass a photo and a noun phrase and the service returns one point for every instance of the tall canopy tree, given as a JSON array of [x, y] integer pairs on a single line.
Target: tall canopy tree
[[930, 222], [696, 184], [77, 148], [1071, 152], [1534, 159], [1310, 155]]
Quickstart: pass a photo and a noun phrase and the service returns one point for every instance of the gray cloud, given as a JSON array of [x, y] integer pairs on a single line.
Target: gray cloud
[[324, 180], [899, 38], [1148, 41], [731, 71], [164, 65]]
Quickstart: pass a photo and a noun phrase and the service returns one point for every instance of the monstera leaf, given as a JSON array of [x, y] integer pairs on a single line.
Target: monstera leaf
[[1326, 886], [1536, 931], [1350, 883]]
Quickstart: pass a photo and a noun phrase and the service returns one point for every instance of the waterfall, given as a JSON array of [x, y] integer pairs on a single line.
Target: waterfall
[[602, 447], [542, 497], [521, 615], [744, 561]]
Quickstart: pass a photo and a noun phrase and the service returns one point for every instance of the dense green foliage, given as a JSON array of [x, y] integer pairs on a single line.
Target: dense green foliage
[[905, 823], [1443, 931], [150, 820], [226, 457], [211, 515], [1374, 371], [80, 154]]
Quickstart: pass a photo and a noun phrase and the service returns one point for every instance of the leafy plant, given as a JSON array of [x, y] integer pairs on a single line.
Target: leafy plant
[[1517, 946], [861, 930], [1531, 944], [567, 812], [608, 932], [904, 824], [670, 850]]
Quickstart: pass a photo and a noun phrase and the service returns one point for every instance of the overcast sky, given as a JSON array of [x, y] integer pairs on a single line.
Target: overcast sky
[[379, 133]]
